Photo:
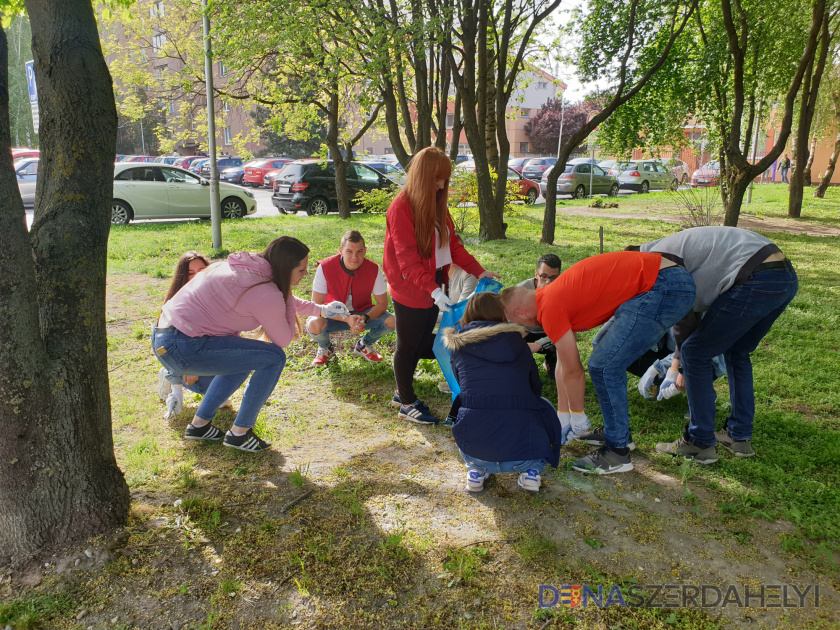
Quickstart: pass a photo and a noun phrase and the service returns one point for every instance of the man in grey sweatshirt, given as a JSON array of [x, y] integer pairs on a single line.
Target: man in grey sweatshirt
[[744, 282]]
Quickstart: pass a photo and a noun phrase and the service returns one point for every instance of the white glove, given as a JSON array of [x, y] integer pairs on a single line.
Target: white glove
[[580, 423], [668, 388], [646, 382], [442, 300], [334, 309], [565, 427]]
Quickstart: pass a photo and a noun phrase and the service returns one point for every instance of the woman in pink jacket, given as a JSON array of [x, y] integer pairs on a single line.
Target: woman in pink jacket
[[198, 330], [420, 244]]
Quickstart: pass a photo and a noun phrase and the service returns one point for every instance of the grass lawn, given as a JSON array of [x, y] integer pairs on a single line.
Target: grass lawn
[[355, 519]]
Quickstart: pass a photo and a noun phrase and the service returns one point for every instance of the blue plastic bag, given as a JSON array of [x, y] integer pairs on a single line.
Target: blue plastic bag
[[450, 319]]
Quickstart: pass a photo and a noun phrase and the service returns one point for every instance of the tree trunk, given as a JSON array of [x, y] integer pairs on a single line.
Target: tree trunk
[[59, 481], [738, 183], [806, 174], [457, 126], [819, 193]]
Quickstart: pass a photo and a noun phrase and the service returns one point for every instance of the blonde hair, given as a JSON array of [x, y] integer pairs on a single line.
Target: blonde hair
[[428, 204]]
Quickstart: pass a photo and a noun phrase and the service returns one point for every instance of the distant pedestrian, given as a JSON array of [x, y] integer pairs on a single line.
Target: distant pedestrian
[[785, 168]]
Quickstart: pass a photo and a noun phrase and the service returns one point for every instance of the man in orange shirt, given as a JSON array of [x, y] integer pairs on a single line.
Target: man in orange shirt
[[646, 293]]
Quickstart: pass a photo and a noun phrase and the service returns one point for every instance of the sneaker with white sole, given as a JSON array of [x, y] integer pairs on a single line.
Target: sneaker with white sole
[[604, 461], [323, 355], [475, 480], [596, 438], [530, 480], [361, 350], [248, 441], [738, 449], [686, 448], [164, 386], [207, 432], [395, 401], [419, 413]]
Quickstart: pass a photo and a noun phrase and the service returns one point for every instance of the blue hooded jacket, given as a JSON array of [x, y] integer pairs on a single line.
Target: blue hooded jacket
[[502, 416]]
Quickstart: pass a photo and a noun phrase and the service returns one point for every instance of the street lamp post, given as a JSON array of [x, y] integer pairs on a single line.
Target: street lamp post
[[215, 206]]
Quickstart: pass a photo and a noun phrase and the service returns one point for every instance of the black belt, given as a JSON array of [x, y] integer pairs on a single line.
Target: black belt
[[776, 264]]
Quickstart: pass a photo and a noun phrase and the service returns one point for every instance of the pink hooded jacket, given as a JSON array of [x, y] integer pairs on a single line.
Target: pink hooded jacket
[[228, 298]]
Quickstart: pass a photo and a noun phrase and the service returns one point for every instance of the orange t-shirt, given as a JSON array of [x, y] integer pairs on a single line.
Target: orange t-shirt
[[589, 292]]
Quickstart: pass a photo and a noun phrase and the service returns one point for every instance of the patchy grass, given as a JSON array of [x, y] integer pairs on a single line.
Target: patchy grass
[[356, 520]]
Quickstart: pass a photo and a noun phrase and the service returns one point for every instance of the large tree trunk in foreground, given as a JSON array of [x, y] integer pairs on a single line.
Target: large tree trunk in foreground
[[59, 480]]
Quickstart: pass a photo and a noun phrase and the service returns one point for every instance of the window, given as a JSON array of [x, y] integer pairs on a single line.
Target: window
[[450, 121], [525, 113], [159, 41], [389, 151], [159, 71], [598, 170], [178, 177], [523, 147], [227, 136], [366, 174], [226, 106], [222, 69], [156, 10], [513, 176], [583, 168], [542, 85]]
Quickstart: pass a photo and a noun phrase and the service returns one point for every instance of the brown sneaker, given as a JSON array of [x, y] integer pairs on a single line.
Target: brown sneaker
[[684, 448], [738, 449]]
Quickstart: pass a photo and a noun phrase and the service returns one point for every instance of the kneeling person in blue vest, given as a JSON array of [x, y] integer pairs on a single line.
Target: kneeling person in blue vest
[[352, 279]]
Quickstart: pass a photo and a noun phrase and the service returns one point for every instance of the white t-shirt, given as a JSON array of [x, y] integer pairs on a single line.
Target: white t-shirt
[[443, 255], [319, 285]]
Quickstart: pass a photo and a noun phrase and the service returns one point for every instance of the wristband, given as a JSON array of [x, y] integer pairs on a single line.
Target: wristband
[[367, 318]]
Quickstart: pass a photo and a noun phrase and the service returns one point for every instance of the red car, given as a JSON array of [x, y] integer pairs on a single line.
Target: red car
[[706, 175], [517, 164], [256, 170], [529, 190], [139, 158], [185, 162], [24, 153]]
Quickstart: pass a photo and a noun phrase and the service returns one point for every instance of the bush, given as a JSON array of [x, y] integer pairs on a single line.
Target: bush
[[378, 200]]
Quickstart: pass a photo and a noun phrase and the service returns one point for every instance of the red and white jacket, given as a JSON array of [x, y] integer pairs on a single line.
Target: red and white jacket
[[411, 278]]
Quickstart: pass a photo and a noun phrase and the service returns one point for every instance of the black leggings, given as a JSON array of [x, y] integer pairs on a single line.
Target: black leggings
[[414, 342]]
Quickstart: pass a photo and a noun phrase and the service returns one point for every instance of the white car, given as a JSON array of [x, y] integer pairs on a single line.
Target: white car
[[156, 191], [677, 167]]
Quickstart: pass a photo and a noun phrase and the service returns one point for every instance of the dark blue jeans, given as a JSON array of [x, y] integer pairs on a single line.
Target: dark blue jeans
[[230, 359], [639, 323], [734, 325]]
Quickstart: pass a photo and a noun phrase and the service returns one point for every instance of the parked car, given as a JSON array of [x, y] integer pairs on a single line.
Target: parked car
[[26, 169], [529, 190], [152, 191], [166, 159], [187, 161], [575, 181], [310, 185], [536, 167], [388, 169], [607, 164], [644, 175], [517, 164], [221, 164], [196, 165], [23, 152], [139, 158], [707, 175], [27, 194], [234, 175], [256, 170], [119, 158], [677, 167]]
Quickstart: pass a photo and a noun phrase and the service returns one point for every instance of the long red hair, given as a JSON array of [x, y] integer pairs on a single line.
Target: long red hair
[[428, 204]]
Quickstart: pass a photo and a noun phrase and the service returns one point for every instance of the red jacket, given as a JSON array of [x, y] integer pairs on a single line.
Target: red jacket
[[411, 278], [340, 283]]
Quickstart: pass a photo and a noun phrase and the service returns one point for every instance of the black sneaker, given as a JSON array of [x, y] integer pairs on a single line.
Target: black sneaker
[[248, 441], [596, 438], [207, 432], [418, 413], [604, 461]]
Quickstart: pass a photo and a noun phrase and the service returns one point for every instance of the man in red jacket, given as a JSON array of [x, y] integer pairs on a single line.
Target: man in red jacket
[[352, 279]]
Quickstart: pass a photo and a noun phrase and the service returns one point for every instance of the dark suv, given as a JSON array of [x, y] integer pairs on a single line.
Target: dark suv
[[310, 185], [535, 167], [221, 164]]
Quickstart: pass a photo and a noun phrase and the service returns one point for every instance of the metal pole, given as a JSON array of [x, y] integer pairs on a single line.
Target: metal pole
[[592, 171], [215, 206], [142, 137], [755, 148]]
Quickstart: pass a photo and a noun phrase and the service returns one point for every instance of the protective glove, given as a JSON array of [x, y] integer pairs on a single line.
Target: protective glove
[[442, 300], [668, 388], [565, 427], [580, 423], [545, 344], [648, 378], [174, 402], [334, 309]]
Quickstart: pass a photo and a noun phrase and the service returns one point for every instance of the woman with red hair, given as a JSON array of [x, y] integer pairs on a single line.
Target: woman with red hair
[[420, 244]]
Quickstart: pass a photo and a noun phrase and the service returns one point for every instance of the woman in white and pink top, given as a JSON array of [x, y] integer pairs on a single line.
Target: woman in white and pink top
[[198, 333]]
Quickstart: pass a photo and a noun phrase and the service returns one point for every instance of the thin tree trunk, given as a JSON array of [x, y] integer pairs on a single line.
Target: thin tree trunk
[[59, 481], [819, 193], [806, 174]]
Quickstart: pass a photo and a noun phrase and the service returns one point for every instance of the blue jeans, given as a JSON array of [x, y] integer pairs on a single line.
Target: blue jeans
[[734, 325], [639, 323], [494, 468], [230, 359], [199, 387], [376, 329], [784, 176]]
